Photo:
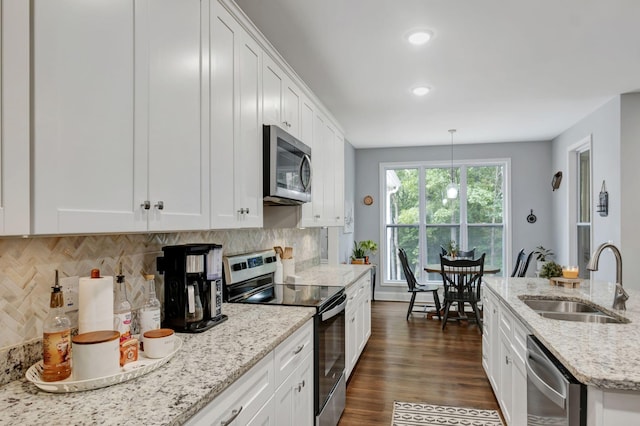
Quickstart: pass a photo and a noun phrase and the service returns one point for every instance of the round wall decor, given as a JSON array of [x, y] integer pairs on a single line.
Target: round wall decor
[[368, 200], [532, 217]]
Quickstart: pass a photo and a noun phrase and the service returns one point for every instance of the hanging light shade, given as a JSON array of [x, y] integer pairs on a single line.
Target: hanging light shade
[[452, 188]]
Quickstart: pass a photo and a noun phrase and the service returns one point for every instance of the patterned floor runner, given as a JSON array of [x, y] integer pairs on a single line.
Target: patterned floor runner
[[414, 414]]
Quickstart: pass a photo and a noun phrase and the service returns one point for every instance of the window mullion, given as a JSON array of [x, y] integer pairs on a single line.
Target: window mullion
[[422, 218], [464, 236]]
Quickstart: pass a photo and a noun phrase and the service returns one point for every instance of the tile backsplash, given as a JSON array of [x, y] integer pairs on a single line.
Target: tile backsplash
[[27, 268]]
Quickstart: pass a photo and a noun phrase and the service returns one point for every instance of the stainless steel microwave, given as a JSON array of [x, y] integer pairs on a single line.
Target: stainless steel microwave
[[287, 168]]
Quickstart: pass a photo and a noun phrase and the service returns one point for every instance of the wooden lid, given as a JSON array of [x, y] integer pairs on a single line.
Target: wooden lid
[[160, 332], [94, 337]]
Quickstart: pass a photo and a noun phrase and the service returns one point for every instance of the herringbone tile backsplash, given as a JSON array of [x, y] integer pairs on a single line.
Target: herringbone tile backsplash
[[27, 266]]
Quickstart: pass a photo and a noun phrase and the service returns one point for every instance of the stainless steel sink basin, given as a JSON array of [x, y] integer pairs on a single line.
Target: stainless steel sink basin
[[571, 310], [594, 317], [558, 305]]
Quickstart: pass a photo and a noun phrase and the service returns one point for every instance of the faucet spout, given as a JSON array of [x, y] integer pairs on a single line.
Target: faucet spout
[[620, 296]]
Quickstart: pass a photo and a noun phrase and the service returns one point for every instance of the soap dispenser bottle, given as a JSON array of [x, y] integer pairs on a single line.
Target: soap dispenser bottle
[[56, 339]]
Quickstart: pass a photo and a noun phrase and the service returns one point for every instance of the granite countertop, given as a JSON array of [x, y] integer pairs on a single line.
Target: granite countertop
[[207, 364], [601, 355], [333, 275]]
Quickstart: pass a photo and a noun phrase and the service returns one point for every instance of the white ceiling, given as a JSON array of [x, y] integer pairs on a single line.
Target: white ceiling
[[500, 70]]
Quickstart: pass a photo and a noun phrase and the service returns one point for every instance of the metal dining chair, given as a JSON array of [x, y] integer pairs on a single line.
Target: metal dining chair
[[522, 264], [462, 280], [415, 287]]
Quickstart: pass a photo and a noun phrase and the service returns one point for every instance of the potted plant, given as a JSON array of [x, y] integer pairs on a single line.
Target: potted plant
[[362, 250], [452, 249], [543, 255], [357, 255], [550, 269]]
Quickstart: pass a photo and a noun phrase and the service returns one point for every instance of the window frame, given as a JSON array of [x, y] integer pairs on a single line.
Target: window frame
[[422, 225]]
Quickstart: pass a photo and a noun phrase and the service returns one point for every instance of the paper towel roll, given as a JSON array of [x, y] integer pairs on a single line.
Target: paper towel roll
[[95, 300]]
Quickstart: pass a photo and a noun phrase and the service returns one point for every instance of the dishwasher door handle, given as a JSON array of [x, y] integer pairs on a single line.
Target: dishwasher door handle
[[553, 395]]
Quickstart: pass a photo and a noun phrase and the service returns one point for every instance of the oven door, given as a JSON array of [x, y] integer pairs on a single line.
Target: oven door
[[330, 364]]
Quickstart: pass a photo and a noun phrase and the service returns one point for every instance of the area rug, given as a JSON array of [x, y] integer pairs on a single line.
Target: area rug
[[414, 414]]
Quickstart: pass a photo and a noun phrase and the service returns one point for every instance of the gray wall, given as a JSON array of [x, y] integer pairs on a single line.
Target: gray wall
[[614, 129], [530, 189]]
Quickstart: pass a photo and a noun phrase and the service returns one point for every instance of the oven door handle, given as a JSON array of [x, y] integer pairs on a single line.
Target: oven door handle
[[553, 395], [335, 310]]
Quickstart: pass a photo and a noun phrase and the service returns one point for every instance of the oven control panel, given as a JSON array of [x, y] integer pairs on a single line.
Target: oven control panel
[[246, 266]]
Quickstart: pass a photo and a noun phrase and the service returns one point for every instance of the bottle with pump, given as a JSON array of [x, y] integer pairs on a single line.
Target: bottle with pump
[[149, 314], [122, 309], [56, 340]]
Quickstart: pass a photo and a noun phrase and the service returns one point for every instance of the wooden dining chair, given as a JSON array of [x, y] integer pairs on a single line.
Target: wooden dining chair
[[415, 287], [522, 264], [469, 254], [462, 279]]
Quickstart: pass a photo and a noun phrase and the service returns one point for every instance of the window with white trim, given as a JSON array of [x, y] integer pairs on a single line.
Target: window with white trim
[[419, 218]]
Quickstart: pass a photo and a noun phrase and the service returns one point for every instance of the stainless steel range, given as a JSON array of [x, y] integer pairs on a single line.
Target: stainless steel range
[[249, 279]]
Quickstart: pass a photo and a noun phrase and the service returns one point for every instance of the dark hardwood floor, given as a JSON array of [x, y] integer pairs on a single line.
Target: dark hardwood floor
[[415, 361]]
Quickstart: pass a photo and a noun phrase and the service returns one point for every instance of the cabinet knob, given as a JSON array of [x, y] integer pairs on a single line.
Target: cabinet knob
[[507, 360], [241, 211], [300, 386], [246, 210], [146, 204], [317, 216], [159, 205], [337, 217]]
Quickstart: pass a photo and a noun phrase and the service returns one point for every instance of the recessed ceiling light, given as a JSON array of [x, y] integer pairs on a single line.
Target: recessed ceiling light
[[420, 91], [418, 38]]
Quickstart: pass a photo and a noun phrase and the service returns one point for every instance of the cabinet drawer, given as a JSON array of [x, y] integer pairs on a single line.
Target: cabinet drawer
[[290, 353], [242, 400], [519, 342], [506, 321]]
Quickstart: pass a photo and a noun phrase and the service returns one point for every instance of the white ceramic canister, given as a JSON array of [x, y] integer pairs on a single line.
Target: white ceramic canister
[[158, 343], [96, 354]]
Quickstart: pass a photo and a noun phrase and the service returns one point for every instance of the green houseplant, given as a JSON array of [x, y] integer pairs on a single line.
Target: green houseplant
[[362, 250], [550, 269], [543, 255]]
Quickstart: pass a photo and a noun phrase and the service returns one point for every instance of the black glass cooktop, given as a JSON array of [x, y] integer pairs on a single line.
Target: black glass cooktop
[[297, 295]]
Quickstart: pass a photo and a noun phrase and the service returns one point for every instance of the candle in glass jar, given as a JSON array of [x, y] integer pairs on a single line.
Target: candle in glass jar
[[570, 272]]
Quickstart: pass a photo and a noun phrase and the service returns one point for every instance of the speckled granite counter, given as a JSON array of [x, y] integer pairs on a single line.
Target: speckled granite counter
[[333, 275], [207, 364], [606, 356]]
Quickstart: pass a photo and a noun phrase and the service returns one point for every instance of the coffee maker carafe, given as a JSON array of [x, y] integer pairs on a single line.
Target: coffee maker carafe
[[192, 286]]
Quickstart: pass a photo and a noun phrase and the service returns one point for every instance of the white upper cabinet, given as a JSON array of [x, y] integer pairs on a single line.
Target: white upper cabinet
[[281, 99], [120, 116], [14, 117], [236, 138]]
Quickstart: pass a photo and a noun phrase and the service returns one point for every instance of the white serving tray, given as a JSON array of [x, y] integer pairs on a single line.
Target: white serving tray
[[130, 371]]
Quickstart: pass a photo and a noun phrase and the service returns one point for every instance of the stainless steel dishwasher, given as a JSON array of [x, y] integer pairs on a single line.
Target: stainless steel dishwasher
[[554, 396]]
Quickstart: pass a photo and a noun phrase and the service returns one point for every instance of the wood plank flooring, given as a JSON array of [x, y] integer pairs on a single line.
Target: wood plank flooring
[[415, 361]]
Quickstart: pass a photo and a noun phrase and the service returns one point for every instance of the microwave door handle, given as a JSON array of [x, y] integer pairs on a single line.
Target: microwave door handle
[[305, 160], [553, 395]]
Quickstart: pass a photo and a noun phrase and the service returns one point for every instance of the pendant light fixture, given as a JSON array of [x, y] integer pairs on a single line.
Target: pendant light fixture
[[452, 188]]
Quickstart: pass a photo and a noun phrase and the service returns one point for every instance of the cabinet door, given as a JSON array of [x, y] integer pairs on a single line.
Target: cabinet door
[[236, 138], [272, 90], [319, 160], [86, 163], [366, 310], [505, 379], [177, 79], [14, 117], [338, 180], [294, 398], [291, 108]]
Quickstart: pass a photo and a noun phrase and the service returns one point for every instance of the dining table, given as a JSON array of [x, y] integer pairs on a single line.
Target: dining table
[[437, 268]]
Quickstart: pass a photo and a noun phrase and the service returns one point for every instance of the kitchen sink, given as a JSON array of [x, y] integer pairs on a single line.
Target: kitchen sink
[[571, 310], [595, 317], [549, 305]]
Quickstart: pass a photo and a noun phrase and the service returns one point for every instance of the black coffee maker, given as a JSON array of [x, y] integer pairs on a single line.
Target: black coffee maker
[[192, 286]]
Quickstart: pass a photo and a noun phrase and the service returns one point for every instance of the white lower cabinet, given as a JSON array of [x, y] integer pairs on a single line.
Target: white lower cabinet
[[358, 321], [503, 358], [278, 390]]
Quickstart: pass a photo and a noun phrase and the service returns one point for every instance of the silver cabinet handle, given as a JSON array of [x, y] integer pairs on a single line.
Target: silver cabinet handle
[[234, 414], [300, 386], [317, 216], [247, 210], [159, 205], [146, 204], [241, 211], [298, 349]]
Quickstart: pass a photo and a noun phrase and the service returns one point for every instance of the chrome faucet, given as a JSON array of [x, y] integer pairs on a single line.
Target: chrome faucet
[[620, 296]]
